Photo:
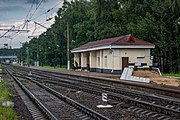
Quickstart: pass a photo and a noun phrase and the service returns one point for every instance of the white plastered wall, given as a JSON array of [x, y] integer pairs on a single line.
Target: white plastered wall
[[114, 58], [106, 53], [93, 59], [98, 55], [83, 59], [134, 53], [76, 58]]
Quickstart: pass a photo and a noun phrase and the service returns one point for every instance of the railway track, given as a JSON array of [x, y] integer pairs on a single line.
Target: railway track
[[50, 101], [150, 88], [33, 109], [156, 104], [126, 96]]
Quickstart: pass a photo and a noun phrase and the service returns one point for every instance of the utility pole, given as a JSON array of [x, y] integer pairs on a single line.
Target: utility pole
[[21, 59], [178, 45], [27, 52], [68, 51], [37, 61]]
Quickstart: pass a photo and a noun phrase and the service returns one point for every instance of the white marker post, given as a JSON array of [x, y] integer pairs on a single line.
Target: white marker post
[[29, 74], [104, 97]]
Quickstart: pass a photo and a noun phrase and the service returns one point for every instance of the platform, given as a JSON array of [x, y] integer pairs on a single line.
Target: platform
[[105, 75]]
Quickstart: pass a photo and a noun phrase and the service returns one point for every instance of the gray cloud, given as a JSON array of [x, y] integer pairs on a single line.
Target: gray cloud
[[11, 8], [23, 1], [35, 1]]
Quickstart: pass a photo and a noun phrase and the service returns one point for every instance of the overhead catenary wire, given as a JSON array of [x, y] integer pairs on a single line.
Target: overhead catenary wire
[[36, 9], [40, 25], [47, 10], [28, 14], [32, 19], [43, 14], [7, 32], [26, 21], [30, 9]]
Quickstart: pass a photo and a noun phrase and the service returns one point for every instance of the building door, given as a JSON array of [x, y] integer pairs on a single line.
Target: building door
[[79, 59], [125, 61], [88, 61]]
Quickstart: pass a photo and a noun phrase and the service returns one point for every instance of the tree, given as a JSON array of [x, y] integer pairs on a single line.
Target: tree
[[150, 20]]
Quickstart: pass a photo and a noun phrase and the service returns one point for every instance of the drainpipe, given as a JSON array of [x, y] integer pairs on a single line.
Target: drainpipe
[[112, 58]]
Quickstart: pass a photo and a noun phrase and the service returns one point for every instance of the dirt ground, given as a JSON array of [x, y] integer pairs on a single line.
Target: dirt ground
[[156, 78]]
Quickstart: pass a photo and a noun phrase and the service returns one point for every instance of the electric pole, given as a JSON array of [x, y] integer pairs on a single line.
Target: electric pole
[[37, 57], [27, 52], [68, 50]]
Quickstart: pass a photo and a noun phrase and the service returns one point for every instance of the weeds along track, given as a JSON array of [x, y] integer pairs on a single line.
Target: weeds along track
[[53, 104], [153, 106]]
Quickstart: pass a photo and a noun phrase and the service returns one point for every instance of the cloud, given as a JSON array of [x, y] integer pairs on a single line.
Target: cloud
[[11, 8], [14, 12], [21, 1], [21, 36], [35, 1]]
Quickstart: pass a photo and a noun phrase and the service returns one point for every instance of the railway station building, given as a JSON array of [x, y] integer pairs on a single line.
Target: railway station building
[[113, 54]]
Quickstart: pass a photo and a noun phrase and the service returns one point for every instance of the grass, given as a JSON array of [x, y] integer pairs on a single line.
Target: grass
[[57, 67], [172, 74], [51, 67], [4, 94], [6, 113]]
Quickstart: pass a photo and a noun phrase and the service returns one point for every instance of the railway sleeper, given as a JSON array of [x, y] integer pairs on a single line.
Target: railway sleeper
[[125, 99], [154, 108]]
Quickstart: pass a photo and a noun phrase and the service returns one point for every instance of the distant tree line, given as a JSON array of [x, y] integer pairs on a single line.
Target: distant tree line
[[155, 21], [9, 52]]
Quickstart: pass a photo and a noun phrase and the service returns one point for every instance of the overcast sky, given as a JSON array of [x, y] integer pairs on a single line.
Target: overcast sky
[[14, 13]]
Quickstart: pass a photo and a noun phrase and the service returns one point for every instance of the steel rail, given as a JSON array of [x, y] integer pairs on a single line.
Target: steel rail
[[112, 88], [164, 110], [126, 99], [81, 107], [173, 91], [70, 101], [43, 108]]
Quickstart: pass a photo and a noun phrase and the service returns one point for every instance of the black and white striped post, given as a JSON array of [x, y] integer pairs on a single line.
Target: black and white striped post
[[104, 97]]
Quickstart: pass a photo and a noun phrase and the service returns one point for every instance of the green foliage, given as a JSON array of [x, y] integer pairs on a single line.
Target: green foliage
[[4, 94], [172, 74], [6, 113], [9, 52], [150, 20], [56, 67]]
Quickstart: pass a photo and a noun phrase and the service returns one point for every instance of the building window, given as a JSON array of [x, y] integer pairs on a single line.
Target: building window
[[139, 61], [98, 61], [105, 61]]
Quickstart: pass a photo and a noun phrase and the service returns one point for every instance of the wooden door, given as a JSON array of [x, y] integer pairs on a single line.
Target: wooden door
[[79, 59], [125, 61]]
